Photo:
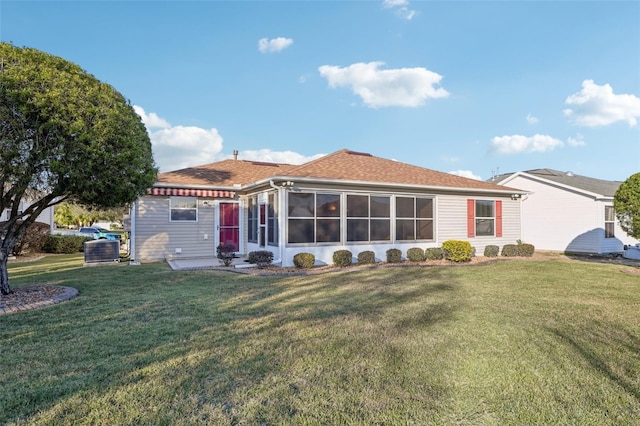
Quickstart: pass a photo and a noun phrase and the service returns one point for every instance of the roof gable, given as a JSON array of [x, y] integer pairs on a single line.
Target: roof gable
[[605, 188]]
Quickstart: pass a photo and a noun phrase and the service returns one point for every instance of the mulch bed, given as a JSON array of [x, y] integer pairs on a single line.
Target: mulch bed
[[23, 297]]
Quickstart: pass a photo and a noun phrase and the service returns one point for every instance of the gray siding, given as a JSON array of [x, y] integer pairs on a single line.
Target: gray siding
[[157, 238]]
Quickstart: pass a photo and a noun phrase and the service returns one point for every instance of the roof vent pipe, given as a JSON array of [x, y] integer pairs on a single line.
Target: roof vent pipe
[[235, 154]]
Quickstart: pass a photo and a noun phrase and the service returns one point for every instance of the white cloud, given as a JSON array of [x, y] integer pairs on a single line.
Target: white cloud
[[151, 120], [394, 3], [401, 8], [451, 159], [267, 155], [514, 144], [406, 87], [531, 119], [274, 45], [577, 141], [465, 173], [598, 106], [179, 147]]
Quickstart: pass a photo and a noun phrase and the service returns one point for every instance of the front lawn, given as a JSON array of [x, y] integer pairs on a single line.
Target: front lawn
[[513, 342]]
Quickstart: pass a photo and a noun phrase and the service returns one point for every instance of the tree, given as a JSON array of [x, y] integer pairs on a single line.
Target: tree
[[626, 203], [70, 214], [64, 135]]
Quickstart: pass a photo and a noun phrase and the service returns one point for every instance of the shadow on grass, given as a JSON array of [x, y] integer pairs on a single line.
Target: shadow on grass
[[140, 338], [611, 351]]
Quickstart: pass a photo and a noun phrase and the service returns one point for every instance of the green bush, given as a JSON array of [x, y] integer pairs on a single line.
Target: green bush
[[526, 250], [251, 257], [226, 253], [304, 260], [33, 239], [510, 250], [457, 251], [262, 258], [491, 251], [416, 254], [434, 253], [366, 257], [65, 244], [394, 255], [342, 258]]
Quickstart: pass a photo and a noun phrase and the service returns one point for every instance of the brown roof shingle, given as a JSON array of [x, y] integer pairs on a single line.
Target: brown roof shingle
[[341, 165]]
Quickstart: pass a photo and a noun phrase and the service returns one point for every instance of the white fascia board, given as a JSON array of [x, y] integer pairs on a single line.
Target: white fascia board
[[383, 184], [557, 184]]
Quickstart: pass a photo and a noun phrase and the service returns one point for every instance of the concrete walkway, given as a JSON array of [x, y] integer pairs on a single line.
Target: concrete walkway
[[206, 263]]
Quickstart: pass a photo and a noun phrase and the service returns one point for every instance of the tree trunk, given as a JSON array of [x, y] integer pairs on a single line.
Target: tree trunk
[[4, 274]]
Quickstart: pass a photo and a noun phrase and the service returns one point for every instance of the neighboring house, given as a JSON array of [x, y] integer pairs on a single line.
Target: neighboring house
[[345, 200], [567, 212], [45, 217]]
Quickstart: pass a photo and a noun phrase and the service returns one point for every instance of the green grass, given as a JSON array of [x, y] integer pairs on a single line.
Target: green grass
[[512, 342]]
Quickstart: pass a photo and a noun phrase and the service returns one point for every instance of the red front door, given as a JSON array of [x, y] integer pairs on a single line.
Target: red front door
[[229, 225]]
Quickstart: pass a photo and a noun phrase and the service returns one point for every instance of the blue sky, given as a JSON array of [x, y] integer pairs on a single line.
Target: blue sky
[[469, 87]]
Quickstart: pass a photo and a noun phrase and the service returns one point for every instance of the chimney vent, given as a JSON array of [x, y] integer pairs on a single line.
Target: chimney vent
[[235, 154]]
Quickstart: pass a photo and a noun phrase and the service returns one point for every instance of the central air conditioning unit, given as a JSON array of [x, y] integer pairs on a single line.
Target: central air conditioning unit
[[101, 251]]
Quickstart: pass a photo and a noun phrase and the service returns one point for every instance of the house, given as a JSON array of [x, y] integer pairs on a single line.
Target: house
[[567, 212], [45, 217], [344, 200]]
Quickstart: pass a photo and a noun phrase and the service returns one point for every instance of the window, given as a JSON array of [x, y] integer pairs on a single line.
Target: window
[[272, 219], [609, 222], [414, 218], [484, 218], [368, 218], [183, 209], [252, 215], [314, 217]]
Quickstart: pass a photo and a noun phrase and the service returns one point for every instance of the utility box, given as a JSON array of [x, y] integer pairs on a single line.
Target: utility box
[[101, 251]]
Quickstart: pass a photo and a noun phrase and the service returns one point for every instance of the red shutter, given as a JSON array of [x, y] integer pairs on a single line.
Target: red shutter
[[471, 218], [498, 218]]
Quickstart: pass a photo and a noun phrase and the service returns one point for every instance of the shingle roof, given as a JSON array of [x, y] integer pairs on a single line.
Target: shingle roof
[[341, 165], [606, 188], [224, 173]]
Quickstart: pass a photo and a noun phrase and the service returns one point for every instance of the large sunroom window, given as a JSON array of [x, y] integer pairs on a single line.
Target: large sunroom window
[[313, 217], [414, 218], [368, 218]]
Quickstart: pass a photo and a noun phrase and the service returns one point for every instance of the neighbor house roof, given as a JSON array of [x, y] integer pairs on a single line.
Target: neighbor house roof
[[602, 187], [343, 165]]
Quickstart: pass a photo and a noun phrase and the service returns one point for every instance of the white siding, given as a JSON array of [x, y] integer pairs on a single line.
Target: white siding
[[157, 238], [558, 219]]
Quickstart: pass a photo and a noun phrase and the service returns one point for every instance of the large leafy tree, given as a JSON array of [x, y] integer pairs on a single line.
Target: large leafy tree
[[626, 203], [64, 135]]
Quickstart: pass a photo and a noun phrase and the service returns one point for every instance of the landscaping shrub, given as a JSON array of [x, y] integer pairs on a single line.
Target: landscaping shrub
[[65, 244], [366, 257], [415, 254], [394, 255], [33, 239], [491, 251], [304, 260], [262, 258], [226, 253], [251, 257], [457, 251], [510, 250], [526, 250], [434, 253], [342, 258]]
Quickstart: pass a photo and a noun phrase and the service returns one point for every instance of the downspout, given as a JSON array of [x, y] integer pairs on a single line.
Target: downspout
[[280, 221], [132, 235]]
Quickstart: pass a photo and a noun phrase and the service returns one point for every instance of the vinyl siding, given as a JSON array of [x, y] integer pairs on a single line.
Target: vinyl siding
[[559, 219], [157, 238], [452, 222]]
